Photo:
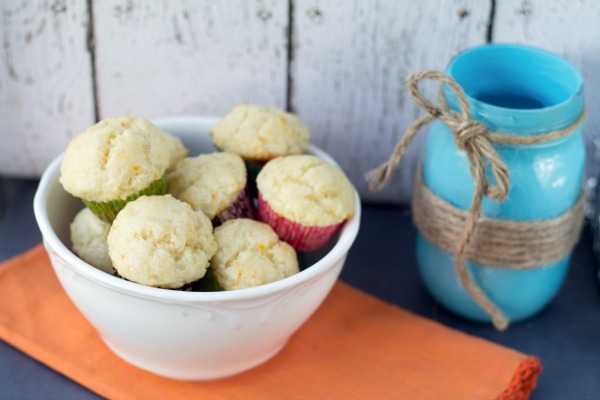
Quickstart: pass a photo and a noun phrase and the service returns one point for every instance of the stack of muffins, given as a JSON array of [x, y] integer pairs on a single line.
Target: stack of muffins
[[222, 221]]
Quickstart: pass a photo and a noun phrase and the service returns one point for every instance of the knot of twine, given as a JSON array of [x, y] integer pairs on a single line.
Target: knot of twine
[[474, 138]]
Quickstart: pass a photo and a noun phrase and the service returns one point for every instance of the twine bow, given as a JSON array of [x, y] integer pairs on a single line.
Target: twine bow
[[470, 135], [473, 138]]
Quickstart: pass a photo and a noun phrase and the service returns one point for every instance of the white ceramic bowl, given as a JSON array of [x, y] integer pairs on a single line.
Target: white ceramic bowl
[[186, 335]]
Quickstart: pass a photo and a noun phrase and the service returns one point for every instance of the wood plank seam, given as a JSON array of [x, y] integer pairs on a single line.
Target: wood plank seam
[[91, 48], [490, 24], [289, 90]]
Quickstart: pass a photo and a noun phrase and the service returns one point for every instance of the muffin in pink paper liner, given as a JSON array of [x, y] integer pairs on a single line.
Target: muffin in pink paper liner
[[304, 199], [215, 184]]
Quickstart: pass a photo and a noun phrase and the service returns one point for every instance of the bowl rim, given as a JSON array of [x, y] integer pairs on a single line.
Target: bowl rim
[[346, 238]]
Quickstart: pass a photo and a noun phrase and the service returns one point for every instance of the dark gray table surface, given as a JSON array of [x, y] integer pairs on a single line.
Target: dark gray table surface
[[565, 336]]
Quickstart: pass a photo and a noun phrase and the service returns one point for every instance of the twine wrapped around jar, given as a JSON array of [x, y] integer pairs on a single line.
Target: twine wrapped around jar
[[467, 234]]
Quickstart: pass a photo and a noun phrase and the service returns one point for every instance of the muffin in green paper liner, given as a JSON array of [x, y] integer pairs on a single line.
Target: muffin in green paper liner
[[108, 210], [116, 161], [161, 242]]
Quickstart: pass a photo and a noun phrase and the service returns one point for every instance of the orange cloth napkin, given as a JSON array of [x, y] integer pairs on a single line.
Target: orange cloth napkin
[[355, 346]]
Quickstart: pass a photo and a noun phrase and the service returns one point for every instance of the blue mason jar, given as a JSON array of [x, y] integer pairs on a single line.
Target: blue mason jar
[[524, 91]]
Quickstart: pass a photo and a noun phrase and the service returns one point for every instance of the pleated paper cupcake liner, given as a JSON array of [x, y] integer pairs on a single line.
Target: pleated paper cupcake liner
[[301, 238], [108, 210], [242, 207]]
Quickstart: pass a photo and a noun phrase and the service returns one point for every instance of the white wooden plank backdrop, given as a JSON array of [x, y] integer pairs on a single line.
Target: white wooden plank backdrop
[[45, 81], [164, 58], [339, 65]]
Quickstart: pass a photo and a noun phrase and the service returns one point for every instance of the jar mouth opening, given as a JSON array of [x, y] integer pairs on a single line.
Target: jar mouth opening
[[515, 77]]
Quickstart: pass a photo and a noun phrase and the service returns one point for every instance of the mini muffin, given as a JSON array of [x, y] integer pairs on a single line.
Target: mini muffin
[[259, 134], [304, 199], [250, 254], [89, 237], [116, 161], [160, 241], [214, 184]]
